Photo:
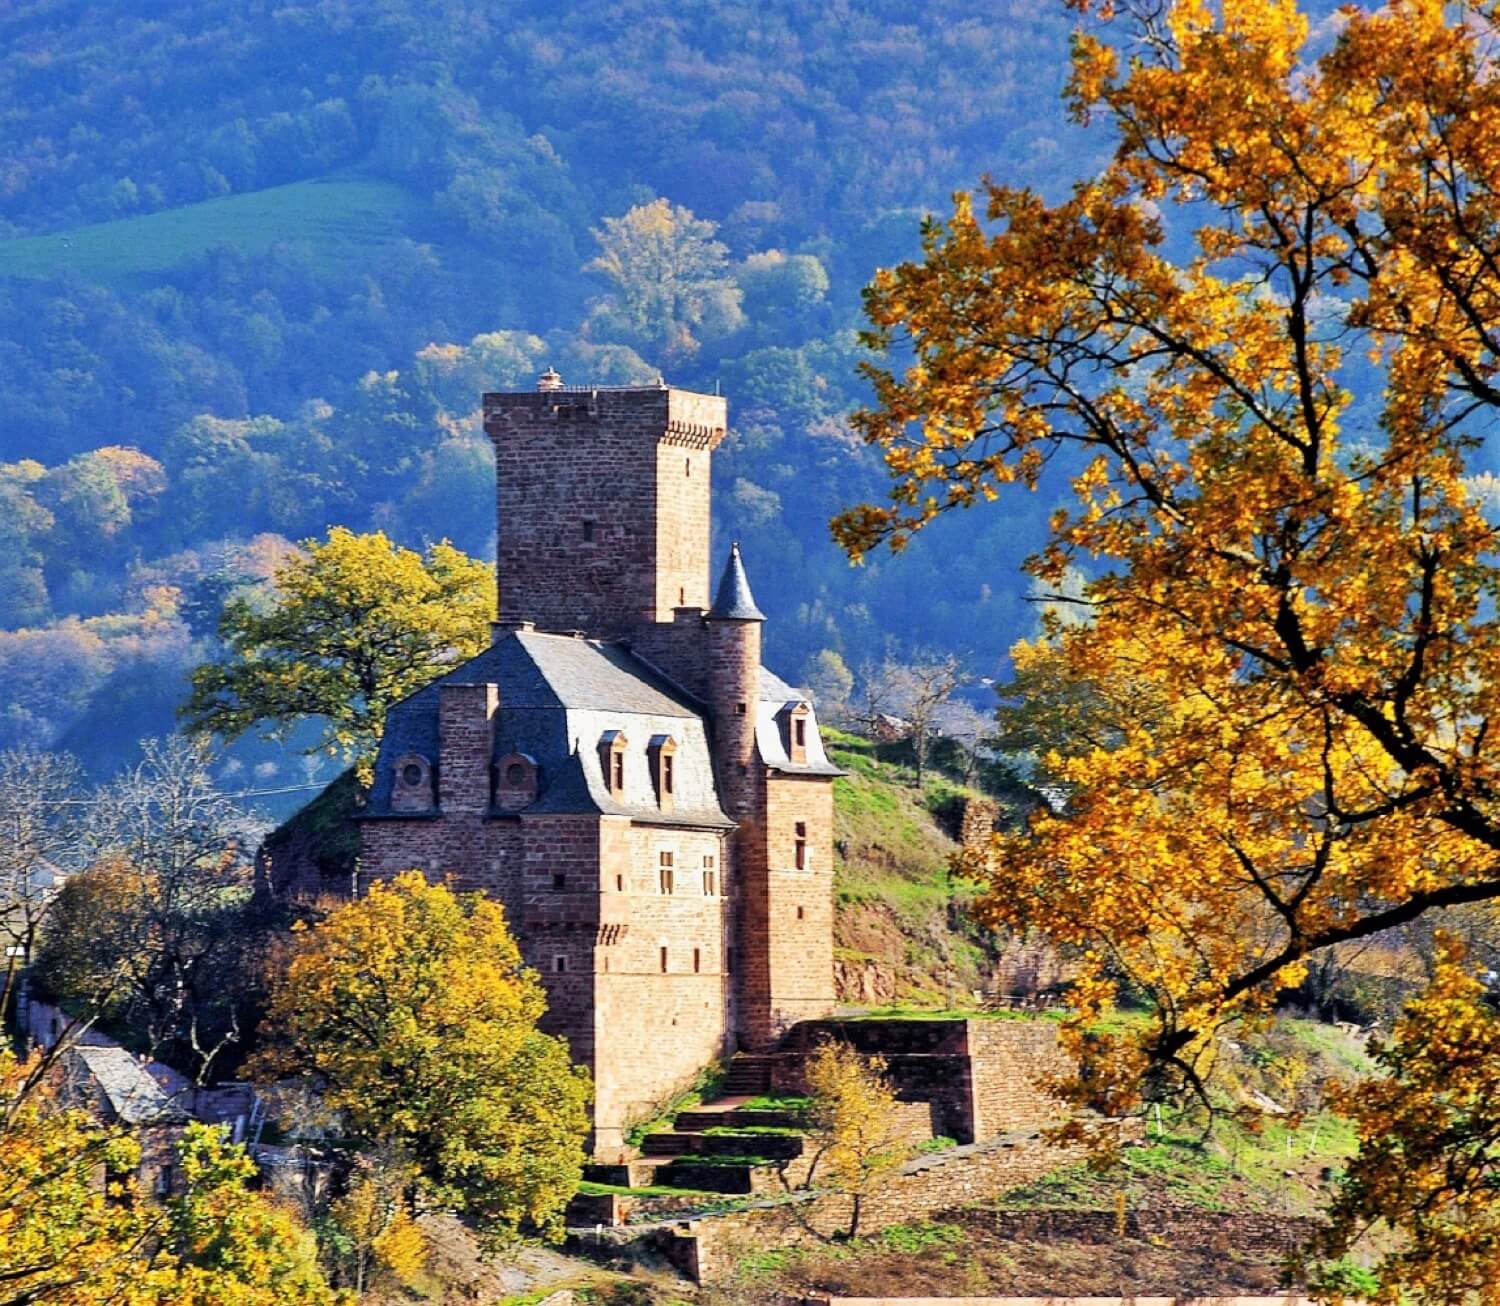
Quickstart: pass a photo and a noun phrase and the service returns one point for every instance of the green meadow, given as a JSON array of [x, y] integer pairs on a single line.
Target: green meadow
[[344, 219]]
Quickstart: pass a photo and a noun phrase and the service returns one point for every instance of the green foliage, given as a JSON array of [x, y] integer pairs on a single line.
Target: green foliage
[[283, 258], [356, 624]]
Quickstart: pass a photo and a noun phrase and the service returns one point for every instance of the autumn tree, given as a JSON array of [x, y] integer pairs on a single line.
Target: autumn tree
[[413, 1012], [1314, 578], [852, 1132], [76, 1230], [371, 1230], [160, 931], [670, 283], [354, 624], [1426, 1160]]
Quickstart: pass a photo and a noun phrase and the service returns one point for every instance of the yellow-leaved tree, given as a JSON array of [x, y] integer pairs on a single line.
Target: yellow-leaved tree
[[852, 1131], [410, 1009], [76, 1229], [353, 623], [1271, 431]]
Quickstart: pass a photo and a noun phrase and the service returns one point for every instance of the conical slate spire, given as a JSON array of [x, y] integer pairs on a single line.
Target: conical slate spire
[[734, 602]]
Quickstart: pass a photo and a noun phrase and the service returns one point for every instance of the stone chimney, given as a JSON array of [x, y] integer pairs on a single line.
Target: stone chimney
[[466, 734]]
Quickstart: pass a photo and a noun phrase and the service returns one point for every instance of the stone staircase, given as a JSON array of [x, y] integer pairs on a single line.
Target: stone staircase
[[747, 1075], [722, 1147]]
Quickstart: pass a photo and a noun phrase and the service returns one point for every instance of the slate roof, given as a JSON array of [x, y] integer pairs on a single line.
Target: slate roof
[[733, 601], [558, 695], [134, 1097]]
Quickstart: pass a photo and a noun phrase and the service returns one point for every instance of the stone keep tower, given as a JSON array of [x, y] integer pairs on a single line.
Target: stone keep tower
[[603, 497]]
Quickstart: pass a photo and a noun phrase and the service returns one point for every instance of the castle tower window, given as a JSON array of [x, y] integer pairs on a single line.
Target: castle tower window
[[559, 881], [687, 467], [612, 746], [697, 960], [801, 913], [662, 754], [664, 959], [560, 963], [619, 884], [792, 720], [664, 870], [801, 845], [588, 532]]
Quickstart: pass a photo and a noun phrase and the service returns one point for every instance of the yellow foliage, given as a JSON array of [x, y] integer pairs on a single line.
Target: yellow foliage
[[413, 1012], [1426, 1161], [76, 1229], [1300, 594], [852, 1127]]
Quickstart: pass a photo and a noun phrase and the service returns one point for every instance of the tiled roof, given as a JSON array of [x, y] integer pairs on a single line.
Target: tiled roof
[[133, 1095]]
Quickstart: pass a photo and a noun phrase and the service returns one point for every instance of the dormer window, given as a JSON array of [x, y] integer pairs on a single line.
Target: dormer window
[[612, 762], [662, 752], [411, 790], [793, 719], [515, 781]]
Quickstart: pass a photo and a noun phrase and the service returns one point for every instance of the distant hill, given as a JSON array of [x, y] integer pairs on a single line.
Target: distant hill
[[281, 249]]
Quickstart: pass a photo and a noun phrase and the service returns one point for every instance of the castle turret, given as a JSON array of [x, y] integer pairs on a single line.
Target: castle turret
[[734, 636]]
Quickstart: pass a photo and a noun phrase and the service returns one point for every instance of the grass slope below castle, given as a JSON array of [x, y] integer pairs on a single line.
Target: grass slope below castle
[[343, 218], [902, 933]]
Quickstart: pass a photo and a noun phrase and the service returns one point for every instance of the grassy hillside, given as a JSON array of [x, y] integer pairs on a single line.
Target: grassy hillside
[[902, 932], [344, 219]]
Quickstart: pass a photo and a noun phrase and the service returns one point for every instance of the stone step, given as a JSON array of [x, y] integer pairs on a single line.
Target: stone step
[[775, 1147], [737, 1118], [747, 1074], [672, 1144], [624, 1174], [733, 1179]]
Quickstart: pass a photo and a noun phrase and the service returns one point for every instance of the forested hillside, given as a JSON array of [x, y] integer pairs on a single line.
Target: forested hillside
[[258, 260]]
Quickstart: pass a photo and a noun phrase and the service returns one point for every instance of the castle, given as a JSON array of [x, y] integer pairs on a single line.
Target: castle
[[652, 806]]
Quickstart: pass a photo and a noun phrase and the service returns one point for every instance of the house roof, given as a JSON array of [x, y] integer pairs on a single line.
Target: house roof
[[559, 697], [133, 1095]]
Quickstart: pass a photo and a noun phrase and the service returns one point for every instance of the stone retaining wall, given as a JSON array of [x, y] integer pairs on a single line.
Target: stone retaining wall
[[708, 1249]]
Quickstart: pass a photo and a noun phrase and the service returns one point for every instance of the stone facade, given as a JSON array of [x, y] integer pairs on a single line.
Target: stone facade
[[652, 807], [982, 1078]]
